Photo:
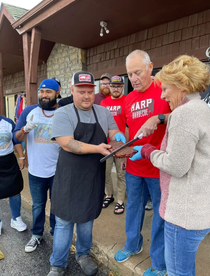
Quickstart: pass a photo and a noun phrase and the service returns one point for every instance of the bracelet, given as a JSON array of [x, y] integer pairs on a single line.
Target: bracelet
[[22, 158], [22, 128]]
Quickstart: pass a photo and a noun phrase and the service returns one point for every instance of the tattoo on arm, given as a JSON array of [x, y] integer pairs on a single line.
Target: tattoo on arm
[[75, 146]]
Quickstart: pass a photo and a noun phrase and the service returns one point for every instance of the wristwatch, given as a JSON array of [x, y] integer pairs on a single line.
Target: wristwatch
[[161, 117]]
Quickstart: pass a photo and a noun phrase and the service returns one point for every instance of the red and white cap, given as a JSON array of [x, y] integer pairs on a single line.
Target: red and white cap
[[83, 78]]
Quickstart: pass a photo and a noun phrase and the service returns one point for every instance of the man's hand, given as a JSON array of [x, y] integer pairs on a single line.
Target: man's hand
[[103, 149], [148, 127], [136, 156], [30, 125], [120, 137]]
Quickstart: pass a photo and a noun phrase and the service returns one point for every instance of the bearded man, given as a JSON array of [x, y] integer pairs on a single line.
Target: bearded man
[[104, 88], [34, 125], [115, 104]]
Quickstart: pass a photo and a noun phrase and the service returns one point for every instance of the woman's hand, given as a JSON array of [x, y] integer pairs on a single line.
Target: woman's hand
[[21, 164]]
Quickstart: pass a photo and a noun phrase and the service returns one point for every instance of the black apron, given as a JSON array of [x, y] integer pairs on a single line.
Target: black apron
[[79, 182], [11, 180]]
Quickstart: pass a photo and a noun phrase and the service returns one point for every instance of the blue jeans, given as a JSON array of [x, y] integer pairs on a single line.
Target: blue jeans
[[63, 238], [38, 188], [137, 192], [181, 246], [15, 205]]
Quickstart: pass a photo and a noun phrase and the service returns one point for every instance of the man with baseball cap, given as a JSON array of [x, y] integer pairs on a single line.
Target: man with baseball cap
[[81, 129], [115, 105], [34, 125], [104, 88]]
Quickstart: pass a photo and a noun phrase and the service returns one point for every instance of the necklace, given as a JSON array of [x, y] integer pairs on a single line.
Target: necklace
[[48, 116]]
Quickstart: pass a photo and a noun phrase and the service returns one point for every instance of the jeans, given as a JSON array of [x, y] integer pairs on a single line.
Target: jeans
[[38, 188], [15, 205], [137, 194], [181, 246], [63, 238]]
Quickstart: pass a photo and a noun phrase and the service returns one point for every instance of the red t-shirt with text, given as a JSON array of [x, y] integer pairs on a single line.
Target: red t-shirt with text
[[116, 106], [138, 108]]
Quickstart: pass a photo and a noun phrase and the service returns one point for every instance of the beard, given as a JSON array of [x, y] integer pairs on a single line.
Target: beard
[[105, 91], [116, 95], [49, 104]]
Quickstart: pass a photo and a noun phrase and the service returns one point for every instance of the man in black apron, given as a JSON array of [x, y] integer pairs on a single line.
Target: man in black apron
[[81, 129]]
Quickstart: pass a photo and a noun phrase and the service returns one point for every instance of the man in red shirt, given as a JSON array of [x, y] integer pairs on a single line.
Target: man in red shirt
[[115, 104], [144, 110], [104, 88]]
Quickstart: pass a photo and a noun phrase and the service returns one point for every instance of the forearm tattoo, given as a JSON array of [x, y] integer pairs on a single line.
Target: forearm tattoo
[[75, 146]]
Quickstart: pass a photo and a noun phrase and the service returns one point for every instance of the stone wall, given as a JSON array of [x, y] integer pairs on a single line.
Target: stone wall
[[63, 62], [16, 83]]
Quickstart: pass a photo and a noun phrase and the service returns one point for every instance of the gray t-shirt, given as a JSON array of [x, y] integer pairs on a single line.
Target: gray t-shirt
[[65, 120]]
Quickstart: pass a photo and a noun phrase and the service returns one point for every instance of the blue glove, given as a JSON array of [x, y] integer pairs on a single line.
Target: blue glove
[[120, 137], [136, 156]]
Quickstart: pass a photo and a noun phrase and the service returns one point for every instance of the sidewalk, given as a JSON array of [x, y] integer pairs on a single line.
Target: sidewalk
[[109, 236]]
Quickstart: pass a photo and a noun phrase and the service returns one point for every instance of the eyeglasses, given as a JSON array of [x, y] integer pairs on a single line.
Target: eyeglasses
[[105, 84], [116, 86]]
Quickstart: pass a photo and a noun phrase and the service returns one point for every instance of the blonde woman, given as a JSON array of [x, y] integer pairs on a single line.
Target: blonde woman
[[182, 160]]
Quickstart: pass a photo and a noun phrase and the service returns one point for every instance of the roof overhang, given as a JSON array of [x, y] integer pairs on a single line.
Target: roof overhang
[[77, 22], [11, 45]]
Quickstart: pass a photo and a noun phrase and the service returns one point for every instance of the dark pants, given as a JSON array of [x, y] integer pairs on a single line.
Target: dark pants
[[38, 188]]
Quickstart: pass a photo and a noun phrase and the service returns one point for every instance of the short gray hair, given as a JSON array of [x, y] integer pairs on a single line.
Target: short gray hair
[[145, 57]]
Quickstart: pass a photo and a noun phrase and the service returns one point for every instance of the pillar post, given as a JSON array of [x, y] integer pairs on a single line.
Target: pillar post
[[31, 47], [2, 109]]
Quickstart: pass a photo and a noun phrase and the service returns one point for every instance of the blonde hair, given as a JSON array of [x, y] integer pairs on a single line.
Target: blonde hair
[[186, 73]]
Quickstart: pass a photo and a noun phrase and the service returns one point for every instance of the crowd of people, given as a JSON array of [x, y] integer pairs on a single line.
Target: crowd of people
[[67, 138]]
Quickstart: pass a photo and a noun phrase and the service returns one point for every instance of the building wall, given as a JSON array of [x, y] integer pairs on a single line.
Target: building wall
[[63, 62], [16, 83], [188, 35]]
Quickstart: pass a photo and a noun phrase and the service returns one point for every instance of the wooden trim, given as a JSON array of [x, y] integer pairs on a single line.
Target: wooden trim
[[16, 90], [157, 62], [31, 47], [39, 14], [34, 55], [2, 108], [26, 51], [26, 55]]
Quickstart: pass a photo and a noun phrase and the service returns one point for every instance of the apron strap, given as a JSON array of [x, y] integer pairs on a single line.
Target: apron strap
[[95, 115], [77, 113]]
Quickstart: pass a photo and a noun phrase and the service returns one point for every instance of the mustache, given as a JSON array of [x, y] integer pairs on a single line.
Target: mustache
[[45, 98]]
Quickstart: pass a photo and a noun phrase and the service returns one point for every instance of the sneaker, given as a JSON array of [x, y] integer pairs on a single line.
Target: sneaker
[[18, 224], [152, 272], [1, 255], [0, 226], [56, 271], [32, 244], [88, 266], [123, 255], [149, 205]]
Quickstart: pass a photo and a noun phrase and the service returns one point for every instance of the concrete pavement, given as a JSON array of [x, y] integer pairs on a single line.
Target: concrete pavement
[[19, 263], [109, 236]]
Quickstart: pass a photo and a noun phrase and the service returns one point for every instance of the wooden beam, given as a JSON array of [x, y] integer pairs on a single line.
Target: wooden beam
[[31, 47], [34, 54], [26, 56], [15, 90], [2, 110]]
